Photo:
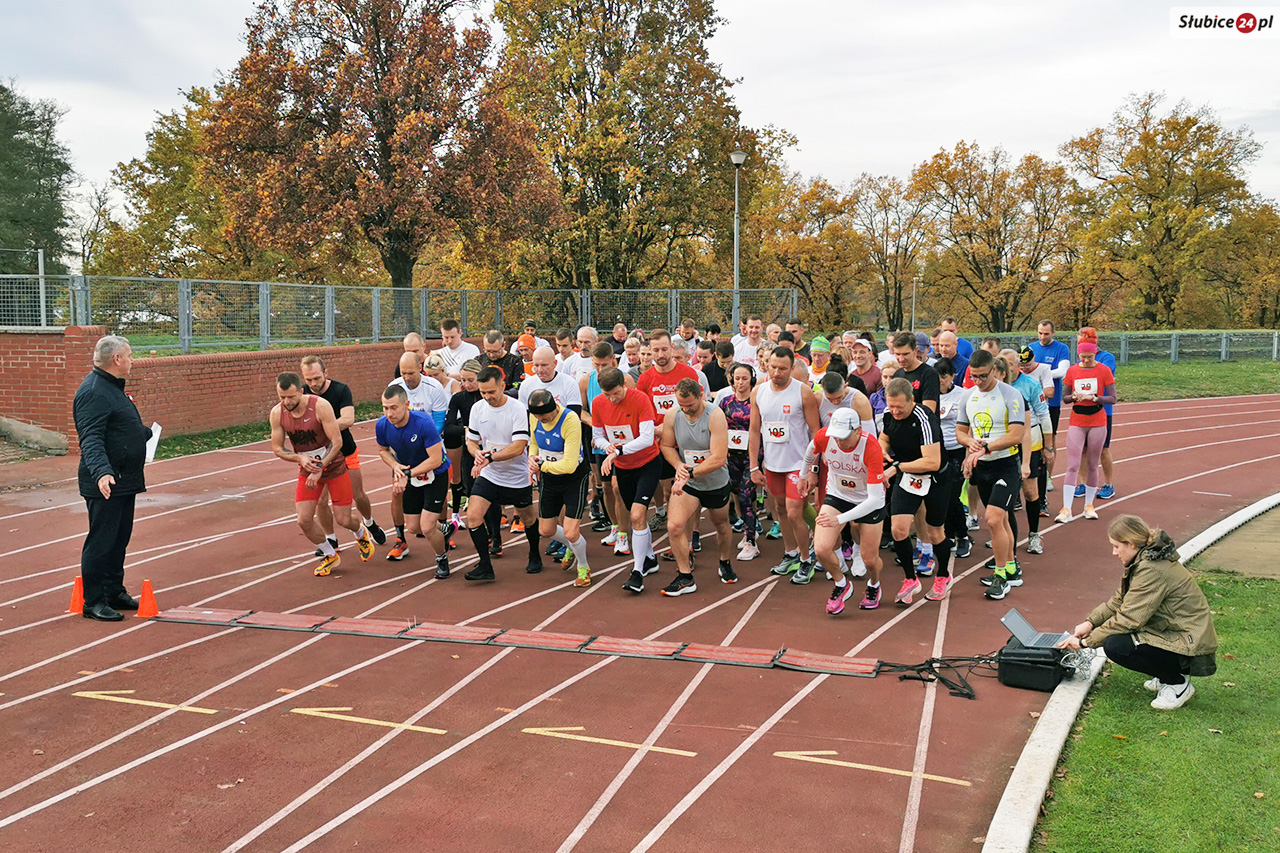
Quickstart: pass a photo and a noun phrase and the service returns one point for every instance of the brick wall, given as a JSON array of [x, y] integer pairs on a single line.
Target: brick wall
[[41, 370]]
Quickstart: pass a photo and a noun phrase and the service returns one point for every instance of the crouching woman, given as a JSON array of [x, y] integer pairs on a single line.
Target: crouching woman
[[1158, 621]]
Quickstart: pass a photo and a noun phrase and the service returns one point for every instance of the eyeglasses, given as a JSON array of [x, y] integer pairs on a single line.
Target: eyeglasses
[[978, 377]]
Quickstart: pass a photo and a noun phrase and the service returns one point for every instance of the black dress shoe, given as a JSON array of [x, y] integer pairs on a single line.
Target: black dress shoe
[[124, 601], [103, 612]]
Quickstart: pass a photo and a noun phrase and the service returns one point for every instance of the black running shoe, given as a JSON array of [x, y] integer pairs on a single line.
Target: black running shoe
[[635, 583], [534, 567], [695, 542], [601, 526], [650, 566], [964, 547], [495, 548], [999, 588], [442, 569], [480, 573], [727, 574], [379, 535], [682, 585]]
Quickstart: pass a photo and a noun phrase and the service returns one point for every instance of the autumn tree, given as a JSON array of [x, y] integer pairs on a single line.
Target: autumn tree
[[894, 224], [1163, 184], [637, 125], [1000, 230], [371, 117]]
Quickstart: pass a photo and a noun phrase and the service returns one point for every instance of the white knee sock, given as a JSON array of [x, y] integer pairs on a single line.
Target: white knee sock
[[1089, 493], [641, 545], [559, 536], [580, 550]]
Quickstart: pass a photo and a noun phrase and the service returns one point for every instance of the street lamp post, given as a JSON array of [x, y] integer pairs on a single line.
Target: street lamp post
[[738, 157]]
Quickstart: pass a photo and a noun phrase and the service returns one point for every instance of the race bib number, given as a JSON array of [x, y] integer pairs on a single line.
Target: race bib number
[[665, 404], [776, 432], [696, 457], [738, 439], [551, 455], [319, 454], [945, 409], [850, 485], [620, 433], [423, 481], [916, 484], [1088, 385]]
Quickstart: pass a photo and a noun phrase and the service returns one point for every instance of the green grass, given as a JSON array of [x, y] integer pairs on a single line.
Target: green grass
[[1136, 780], [184, 445], [1160, 380]]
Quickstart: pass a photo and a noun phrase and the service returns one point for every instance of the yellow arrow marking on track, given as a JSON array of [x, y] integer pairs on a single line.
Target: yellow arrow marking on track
[[122, 696], [562, 732], [327, 713], [812, 755]]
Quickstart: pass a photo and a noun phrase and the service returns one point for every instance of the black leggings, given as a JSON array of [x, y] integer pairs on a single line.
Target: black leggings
[[740, 480], [1125, 650], [957, 524]]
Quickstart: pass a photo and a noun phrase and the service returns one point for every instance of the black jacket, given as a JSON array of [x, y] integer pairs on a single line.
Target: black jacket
[[113, 439]]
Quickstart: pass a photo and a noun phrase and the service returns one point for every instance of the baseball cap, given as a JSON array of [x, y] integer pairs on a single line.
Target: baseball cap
[[843, 423], [922, 342], [862, 342], [819, 344], [1026, 355]]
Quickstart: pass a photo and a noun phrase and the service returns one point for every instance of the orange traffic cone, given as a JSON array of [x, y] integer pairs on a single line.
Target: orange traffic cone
[[77, 597], [147, 606]]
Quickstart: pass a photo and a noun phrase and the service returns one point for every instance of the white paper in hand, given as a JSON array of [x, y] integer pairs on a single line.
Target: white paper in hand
[[153, 442]]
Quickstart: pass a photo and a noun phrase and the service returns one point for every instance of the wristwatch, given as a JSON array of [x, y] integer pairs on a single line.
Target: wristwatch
[[488, 455]]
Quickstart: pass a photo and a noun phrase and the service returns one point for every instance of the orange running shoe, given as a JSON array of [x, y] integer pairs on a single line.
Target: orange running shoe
[[327, 565], [398, 551], [366, 545], [517, 525]]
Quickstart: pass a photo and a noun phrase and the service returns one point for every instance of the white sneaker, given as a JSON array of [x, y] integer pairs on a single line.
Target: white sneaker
[[1034, 545], [622, 546], [612, 537], [748, 552], [1152, 684], [1173, 696], [973, 522], [1048, 487], [857, 567]]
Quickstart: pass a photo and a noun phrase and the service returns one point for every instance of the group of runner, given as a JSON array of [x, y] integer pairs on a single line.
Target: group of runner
[[848, 449]]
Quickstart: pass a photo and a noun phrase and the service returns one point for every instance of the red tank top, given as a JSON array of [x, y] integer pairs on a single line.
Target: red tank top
[[308, 439]]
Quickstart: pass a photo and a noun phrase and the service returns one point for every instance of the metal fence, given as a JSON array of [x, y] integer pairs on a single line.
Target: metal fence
[[188, 315], [1174, 347]]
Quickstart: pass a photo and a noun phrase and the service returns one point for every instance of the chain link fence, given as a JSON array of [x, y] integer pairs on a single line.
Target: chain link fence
[[190, 315]]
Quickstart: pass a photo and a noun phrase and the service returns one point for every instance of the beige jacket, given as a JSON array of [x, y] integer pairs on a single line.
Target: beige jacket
[[1160, 602]]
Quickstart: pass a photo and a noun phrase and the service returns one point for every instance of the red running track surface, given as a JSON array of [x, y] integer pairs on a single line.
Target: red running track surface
[[281, 740]]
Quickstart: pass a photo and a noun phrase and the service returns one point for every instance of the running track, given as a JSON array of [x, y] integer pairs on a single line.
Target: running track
[[216, 529]]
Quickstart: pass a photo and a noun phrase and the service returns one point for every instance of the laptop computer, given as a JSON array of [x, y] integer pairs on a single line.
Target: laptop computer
[[1029, 636]]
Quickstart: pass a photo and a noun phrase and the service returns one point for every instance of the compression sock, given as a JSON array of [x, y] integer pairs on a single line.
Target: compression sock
[[943, 553], [641, 546], [535, 542], [810, 515], [1013, 527], [1090, 492], [580, 550], [559, 536], [480, 538], [902, 547], [455, 498], [1033, 515]]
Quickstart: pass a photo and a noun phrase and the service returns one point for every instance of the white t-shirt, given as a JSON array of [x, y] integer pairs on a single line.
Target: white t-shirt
[[428, 397], [563, 388], [494, 429], [455, 358], [886, 357], [577, 366], [745, 353]]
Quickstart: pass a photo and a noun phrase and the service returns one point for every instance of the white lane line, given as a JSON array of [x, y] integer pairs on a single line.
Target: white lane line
[[1149, 435], [1213, 494], [409, 776], [610, 791], [911, 815], [318, 788], [1252, 411], [724, 766]]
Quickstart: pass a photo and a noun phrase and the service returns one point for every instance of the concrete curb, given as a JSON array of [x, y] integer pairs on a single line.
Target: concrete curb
[[1015, 819]]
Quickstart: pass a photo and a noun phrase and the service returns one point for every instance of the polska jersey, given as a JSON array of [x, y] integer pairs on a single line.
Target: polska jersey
[[308, 438], [988, 415], [849, 471]]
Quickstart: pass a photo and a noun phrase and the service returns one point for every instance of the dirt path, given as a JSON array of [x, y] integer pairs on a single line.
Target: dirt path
[[1249, 550]]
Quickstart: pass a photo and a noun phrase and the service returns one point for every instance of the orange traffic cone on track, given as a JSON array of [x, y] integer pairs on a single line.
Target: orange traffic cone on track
[[77, 597], [147, 606]]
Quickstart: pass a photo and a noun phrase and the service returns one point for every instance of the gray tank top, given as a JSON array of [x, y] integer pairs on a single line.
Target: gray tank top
[[693, 440]]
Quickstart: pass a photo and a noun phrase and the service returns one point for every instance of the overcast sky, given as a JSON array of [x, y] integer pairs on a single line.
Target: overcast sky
[[865, 87]]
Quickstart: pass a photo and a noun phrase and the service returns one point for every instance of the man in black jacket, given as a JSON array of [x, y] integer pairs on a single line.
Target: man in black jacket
[[113, 445]]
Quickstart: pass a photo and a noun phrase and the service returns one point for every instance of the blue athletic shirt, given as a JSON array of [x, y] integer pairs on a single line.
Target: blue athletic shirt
[[411, 442], [1109, 360], [593, 391], [1051, 355]]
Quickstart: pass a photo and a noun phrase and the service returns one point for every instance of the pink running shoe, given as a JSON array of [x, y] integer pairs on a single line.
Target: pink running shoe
[[939, 590], [871, 600], [909, 588], [839, 595]]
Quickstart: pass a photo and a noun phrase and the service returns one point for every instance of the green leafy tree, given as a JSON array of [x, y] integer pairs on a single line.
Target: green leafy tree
[[637, 124], [35, 181]]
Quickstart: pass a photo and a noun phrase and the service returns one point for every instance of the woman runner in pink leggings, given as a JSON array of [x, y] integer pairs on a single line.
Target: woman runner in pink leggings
[[1088, 386]]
